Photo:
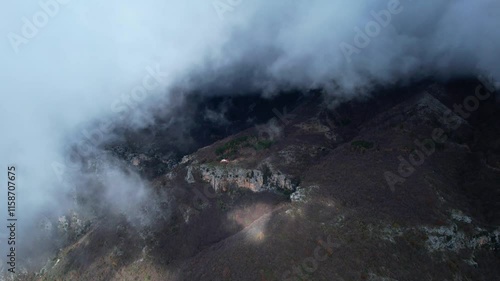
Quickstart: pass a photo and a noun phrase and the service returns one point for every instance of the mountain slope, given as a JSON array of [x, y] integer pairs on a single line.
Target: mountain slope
[[361, 191]]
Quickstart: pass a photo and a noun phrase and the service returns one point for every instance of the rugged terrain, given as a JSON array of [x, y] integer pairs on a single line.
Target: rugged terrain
[[397, 187]]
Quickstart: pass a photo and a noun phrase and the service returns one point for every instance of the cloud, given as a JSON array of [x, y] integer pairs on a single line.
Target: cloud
[[298, 44]]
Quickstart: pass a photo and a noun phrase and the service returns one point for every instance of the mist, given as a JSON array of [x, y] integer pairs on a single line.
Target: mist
[[73, 70]]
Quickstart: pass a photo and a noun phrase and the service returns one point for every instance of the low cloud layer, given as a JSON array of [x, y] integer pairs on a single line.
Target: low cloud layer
[[68, 65]]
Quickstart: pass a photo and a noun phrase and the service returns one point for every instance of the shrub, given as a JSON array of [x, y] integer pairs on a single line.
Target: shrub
[[345, 122], [263, 144], [362, 144], [232, 147]]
